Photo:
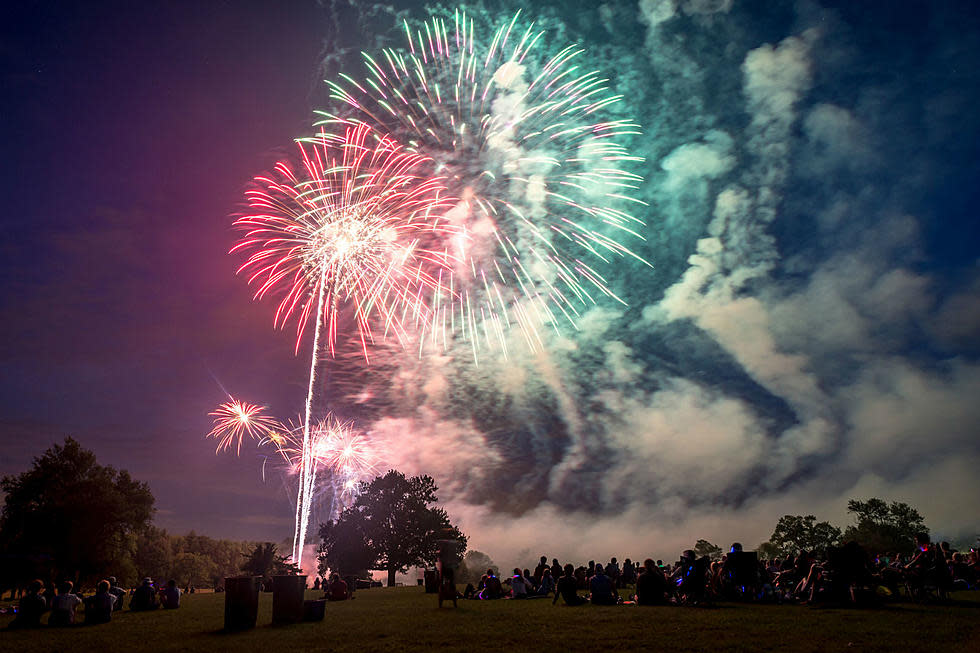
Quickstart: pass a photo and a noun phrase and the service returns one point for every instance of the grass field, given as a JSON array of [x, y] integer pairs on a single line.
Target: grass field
[[406, 619]]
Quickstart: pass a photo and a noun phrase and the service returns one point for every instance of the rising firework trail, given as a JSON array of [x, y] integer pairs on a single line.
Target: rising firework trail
[[348, 230], [543, 179]]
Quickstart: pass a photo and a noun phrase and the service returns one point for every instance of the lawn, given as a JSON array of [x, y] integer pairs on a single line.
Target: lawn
[[405, 618]]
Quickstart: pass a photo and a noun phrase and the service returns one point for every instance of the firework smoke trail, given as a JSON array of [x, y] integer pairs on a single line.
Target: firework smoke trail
[[347, 230], [540, 177]]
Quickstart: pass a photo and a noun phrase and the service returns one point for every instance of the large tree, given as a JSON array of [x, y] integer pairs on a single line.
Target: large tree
[[884, 527], [391, 526], [80, 514], [795, 533]]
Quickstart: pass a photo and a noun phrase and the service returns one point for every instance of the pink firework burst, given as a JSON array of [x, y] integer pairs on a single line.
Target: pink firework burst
[[350, 227]]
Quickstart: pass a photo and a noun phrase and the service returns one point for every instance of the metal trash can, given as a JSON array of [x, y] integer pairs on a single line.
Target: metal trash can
[[431, 581], [287, 599], [241, 602], [314, 610]]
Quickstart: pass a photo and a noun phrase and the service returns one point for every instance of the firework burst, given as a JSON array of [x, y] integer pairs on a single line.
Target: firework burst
[[542, 180], [234, 420], [348, 229]]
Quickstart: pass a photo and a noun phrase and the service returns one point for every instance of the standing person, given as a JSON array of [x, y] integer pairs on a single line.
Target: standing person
[[539, 570], [448, 555], [63, 606], [566, 588]]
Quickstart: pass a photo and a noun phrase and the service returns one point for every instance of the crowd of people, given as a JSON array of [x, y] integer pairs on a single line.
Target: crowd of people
[[840, 575], [62, 602]]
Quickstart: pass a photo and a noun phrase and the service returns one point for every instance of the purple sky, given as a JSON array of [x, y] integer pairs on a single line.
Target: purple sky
[[134, 130]]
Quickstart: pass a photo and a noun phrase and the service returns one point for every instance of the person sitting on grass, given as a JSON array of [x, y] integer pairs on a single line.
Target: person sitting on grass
[[32, 605], [170, 596], [566, 587], [602, 588], [337, 588], [144, 598], [518, 585], [98, 608], [547, 585], [492, 588], [651, 585], [63, 606], [117, 592]]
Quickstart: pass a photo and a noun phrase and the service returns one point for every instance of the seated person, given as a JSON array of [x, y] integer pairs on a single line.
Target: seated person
[[492, 589], [32, 605], [144, 598], [117, 592], [518, 585], [547, 585], [651, 585], [170, 596], [602, 588], [63, 606], [98, 608], [566, 586], [337, 588]]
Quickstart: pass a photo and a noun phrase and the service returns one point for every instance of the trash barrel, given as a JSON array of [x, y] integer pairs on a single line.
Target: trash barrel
[[241, 602], [314, 610], [287, 599], [431, 580]]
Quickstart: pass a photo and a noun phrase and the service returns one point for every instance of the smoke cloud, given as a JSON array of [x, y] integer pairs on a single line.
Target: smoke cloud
[[795, 345]]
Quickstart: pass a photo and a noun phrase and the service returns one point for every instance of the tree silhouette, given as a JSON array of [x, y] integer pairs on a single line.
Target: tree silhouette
[[390, 527], [73, 511]]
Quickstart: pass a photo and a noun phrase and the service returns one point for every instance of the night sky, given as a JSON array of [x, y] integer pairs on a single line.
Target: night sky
[[808, 332]]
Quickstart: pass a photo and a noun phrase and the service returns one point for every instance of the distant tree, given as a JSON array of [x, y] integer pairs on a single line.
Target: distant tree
[[392, 522], [474, 565], [74, 510], [265, 561], [882, 527], [154, 554], [795, 533], [193, 569], [706, 548], [224, 556], [768, 551]]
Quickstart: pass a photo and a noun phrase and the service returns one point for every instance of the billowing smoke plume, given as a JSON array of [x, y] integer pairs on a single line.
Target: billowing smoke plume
[[794, 344]]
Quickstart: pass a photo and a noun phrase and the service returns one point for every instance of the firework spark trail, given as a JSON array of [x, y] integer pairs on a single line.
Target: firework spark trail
[[349, 229], [530, 160]]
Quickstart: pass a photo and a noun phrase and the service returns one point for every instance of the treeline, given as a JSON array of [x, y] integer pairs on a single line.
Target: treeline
[[68, 517], [189, 559]]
